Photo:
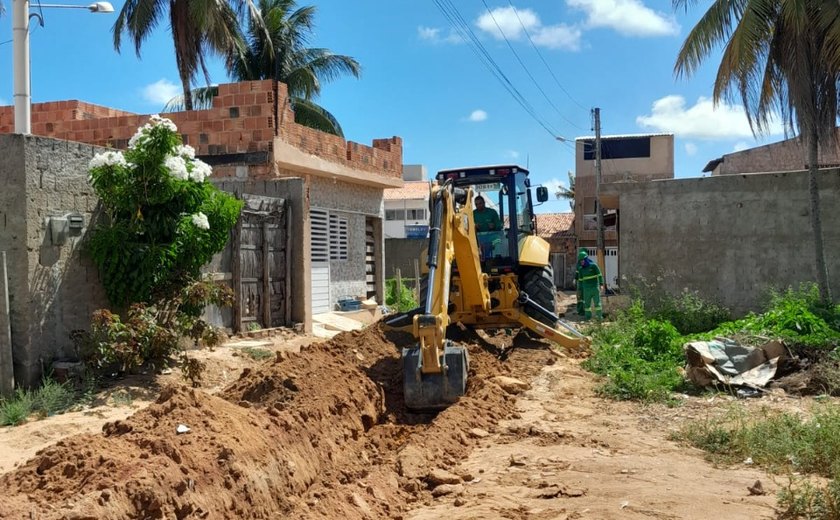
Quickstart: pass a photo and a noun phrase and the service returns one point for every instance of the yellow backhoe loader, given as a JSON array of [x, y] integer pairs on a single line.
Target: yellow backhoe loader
[[496, 276]]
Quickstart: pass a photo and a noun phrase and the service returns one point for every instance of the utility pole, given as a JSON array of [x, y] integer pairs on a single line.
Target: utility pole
[[599, 214]]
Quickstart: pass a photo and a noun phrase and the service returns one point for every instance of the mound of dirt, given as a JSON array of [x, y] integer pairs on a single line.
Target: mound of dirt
[[320, 434]]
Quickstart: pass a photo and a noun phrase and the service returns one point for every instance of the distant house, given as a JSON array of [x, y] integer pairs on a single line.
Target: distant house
[[782, 156], [406, 225], [558, 229], [624, 158]]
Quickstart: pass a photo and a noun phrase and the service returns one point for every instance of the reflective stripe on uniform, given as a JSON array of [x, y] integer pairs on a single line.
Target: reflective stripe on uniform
[[594, 276]]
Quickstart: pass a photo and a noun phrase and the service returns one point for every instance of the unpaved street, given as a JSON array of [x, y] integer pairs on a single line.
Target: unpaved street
[[323, 434]]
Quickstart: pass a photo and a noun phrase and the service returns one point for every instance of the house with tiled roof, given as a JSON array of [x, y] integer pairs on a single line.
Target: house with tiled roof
[[558, 229]]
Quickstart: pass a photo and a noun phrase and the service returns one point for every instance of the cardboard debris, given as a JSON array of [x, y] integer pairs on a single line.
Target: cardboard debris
[[724, 360]]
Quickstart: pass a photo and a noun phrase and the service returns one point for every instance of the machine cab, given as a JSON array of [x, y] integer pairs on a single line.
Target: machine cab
[[502, 211]]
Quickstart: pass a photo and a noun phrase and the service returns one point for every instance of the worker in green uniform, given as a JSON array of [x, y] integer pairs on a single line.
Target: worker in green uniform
[[486, 219], [589, 282]]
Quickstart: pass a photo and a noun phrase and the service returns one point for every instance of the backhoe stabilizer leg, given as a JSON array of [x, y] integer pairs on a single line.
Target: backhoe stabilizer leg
[[571, 339], [426, 392]]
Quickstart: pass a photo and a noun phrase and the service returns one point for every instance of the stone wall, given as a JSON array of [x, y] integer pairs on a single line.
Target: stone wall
[[730, 237], [53, 288]]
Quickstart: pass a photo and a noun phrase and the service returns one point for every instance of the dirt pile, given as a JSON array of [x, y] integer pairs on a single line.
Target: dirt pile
[[320, 434]]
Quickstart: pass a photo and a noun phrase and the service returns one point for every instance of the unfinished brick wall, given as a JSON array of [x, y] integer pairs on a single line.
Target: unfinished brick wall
[[788, 155], [245, 117]]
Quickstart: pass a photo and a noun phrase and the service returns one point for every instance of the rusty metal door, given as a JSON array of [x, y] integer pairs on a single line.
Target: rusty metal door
[[260, 275]]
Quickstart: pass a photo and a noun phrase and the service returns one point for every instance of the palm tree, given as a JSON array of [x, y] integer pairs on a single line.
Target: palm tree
[[779, 55], [199, 28], [280, 52], [567, 193]]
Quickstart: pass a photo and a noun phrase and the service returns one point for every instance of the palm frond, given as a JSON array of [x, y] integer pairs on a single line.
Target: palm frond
[[315, 116], [202, 99]]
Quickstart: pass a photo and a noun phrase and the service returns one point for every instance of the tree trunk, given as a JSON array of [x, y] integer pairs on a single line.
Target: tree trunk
[[185, 82], [816, 221]]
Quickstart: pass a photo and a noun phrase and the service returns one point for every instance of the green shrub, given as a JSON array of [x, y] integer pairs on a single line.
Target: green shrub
[[16, 410], [150, 334], [402, 300], [53, 397], [638, 357], [689, 313], [162, 220], [803, 500]]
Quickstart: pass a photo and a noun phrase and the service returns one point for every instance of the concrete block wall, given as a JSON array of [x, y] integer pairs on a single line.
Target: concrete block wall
[[355, 203], [53, 288], [731, 237]]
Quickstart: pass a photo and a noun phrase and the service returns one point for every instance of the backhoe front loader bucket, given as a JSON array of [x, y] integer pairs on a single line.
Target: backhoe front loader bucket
[[424, 392]]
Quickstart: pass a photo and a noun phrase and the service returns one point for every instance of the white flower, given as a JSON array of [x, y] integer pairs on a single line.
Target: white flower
[[177, 167], [186, 151], [107, 159], [139, 136], [201, 170], [156, 120], [200, 221]]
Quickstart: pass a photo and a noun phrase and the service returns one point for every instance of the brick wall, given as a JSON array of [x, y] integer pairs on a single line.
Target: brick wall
[[245, 117], [788, 155]]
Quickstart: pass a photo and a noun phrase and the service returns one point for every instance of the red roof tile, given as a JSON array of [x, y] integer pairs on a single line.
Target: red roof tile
[[556, 225], [415, 190]]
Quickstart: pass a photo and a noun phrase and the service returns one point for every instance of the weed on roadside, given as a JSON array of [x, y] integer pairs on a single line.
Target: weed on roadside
[[801, 499], [257, 354], [17, 409], [122, 398], [53, 397]]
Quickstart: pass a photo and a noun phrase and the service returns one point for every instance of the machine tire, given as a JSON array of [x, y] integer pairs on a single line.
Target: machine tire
[[538, 284]]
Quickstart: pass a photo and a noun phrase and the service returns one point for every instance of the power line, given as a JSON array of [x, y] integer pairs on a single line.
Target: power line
[[575, 101], [464, 30], [524, 67]]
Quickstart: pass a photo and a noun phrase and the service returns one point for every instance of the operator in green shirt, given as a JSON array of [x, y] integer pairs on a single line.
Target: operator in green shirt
[[486, 219]]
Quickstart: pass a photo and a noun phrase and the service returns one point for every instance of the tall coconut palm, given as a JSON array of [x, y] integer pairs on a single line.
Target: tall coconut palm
[[199, 28], [779, 56], [280, 52]]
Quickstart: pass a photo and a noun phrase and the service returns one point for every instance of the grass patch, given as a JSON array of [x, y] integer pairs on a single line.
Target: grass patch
[[783, 443], [401, 300], [257, 354]]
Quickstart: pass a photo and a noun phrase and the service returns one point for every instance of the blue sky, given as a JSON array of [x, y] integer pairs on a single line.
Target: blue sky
[[423, 82]]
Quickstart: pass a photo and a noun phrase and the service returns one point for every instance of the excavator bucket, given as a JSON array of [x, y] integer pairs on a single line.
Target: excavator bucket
[[426, 392]]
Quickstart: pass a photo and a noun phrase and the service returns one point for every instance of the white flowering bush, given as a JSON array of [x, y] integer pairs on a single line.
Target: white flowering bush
[[163, 220]]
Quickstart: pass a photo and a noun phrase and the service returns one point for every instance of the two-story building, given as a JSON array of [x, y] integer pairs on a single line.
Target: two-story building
[[624, 158]]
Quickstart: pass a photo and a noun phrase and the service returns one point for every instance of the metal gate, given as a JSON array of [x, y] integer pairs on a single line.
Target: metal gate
[[610, 264], [261, 278]]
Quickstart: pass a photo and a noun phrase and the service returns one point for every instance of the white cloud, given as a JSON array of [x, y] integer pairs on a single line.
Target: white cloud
[[161, 91], [690, 148], [628, 17], [701, 121], [517, 24], [436, 35], [512, 154], [740, 145], [477, 116]]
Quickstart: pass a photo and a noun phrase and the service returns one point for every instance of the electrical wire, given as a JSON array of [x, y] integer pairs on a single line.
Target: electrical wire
[[547, 66], [524, 67], [457, 21]]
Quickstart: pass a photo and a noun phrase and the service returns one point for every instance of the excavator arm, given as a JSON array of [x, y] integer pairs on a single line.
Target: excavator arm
[[435, 371]]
